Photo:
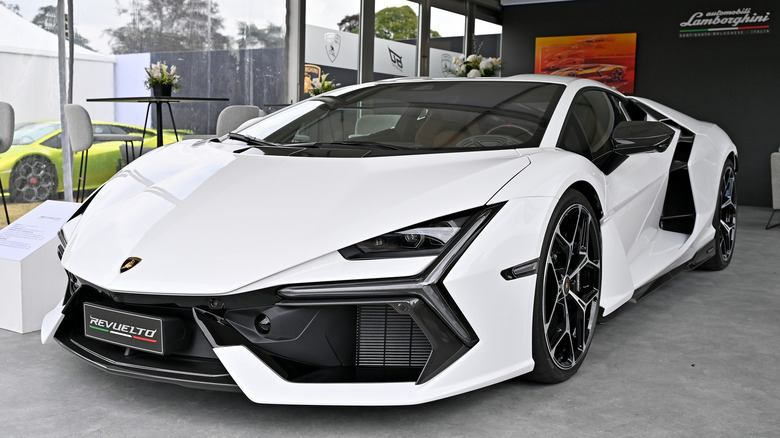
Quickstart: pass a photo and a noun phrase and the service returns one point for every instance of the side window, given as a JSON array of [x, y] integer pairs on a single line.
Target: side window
[[116, 129], [54, 142], [588, 129], [100, 129]]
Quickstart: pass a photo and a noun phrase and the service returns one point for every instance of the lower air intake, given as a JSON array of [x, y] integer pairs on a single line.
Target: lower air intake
[[386, 338]]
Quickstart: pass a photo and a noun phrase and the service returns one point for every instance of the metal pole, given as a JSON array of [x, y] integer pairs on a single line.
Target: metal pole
[[295, 41], [67, 155], [209, 48], [71, 40], [424, 39], [469, 44], [367, 30]]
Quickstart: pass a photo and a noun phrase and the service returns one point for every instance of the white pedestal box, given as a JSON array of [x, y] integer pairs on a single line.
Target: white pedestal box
[[32, 280]]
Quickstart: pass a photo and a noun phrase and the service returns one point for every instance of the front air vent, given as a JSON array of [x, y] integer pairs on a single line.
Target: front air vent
[[386, 338]]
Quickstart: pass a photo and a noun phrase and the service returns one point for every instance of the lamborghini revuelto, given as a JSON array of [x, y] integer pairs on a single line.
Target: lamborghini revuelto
[[395, 242]]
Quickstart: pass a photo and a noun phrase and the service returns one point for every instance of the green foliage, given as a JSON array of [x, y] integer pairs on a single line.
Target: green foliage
[[396, 23], [392, 23], [350, 23]]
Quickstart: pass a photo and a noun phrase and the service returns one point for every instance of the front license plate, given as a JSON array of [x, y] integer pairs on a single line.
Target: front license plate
[[127, 329]]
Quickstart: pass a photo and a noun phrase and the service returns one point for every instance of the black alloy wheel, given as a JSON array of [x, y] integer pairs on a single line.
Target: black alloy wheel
[[568, 290], [725, 219], [33, 179]]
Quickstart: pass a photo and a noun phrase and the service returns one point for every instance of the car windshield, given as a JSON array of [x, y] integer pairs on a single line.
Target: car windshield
[[31, 132], [424, 115]]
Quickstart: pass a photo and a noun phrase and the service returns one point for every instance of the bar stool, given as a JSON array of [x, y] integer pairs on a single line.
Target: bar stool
[[82, 136]]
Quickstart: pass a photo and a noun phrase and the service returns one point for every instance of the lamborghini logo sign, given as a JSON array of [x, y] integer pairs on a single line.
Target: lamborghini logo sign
[[129, 264]]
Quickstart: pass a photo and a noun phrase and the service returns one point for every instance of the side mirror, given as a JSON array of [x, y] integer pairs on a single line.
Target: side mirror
[[638, 137]]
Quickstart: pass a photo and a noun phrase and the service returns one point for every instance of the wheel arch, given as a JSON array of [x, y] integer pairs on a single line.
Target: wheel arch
[[733, 156], [590, 193]]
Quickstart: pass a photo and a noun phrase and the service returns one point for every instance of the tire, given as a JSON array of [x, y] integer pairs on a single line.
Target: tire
[[724, 220], [617, 75], [33, 179], [568, 290]]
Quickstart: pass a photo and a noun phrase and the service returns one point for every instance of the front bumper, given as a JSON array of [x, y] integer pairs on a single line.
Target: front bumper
[[424, 348]]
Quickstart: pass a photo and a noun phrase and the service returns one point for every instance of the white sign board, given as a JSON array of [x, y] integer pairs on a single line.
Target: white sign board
[[35, 229], [328, 47]]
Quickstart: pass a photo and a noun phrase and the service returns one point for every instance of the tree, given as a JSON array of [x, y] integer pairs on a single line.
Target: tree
[[46, 19], [253, 37], [350, 23], [392, 23], [13, 7], [169, 26]]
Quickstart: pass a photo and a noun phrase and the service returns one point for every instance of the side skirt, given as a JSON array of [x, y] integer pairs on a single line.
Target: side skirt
[[701, 256]]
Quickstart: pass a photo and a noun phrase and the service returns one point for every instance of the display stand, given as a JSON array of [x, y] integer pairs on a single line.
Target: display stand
[[31, 277]]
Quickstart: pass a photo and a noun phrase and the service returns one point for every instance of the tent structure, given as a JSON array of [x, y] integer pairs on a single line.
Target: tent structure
[[28, 55]]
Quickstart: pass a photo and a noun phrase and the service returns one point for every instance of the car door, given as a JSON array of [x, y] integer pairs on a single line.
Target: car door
[[634, 183]]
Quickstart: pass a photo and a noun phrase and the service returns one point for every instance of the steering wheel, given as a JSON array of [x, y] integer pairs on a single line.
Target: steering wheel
[[510, 130], [488, 141]]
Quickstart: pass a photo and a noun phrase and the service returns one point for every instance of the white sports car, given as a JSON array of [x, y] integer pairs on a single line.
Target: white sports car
[[396, 242]]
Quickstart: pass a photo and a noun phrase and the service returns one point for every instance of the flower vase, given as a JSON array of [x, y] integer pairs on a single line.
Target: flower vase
[[162, 90]]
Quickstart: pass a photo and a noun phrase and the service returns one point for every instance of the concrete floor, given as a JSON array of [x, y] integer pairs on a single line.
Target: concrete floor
[[698, 357]]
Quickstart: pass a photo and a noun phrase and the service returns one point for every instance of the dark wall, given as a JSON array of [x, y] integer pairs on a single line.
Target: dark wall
[[729, 80]]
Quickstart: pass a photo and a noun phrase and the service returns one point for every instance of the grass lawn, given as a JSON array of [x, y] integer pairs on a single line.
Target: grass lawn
[[15, 211]]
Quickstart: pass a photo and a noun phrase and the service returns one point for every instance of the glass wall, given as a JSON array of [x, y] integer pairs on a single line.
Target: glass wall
[[231, 49], [487, 38], [448, 31], [395, 46], [226, 49], [332, 43]]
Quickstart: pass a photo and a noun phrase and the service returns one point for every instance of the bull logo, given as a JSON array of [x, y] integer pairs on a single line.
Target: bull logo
[[332, 45], [129, 264], [446, 64]]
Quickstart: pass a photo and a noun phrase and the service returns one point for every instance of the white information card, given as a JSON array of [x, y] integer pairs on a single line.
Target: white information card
[[33, 230]]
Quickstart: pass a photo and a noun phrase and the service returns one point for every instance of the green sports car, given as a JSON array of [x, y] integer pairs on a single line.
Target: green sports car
[[31, 170]]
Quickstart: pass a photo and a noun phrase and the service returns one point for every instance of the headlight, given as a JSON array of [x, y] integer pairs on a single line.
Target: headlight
[[424, 239]]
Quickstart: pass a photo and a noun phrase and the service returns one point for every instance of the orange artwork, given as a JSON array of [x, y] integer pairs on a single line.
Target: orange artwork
[[609, 58]]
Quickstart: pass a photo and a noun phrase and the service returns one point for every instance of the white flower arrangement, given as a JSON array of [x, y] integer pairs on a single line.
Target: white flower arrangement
[[475, 66], [158, 74], [321, 85]]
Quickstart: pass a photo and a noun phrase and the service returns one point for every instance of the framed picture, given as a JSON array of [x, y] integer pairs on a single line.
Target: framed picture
[[609, 58]]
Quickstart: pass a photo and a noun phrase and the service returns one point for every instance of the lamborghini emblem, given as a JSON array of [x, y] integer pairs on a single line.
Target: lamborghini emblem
[[129, 264]]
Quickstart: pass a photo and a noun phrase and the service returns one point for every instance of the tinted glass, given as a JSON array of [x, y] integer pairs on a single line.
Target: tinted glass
[[31, 132], [456, 115], [590, 124]]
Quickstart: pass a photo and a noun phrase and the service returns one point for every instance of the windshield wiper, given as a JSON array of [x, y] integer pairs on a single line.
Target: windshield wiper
[[251, 140], [353, 144]]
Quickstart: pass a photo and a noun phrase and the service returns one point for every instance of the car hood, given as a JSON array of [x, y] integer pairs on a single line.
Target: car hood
[[205, 219]]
